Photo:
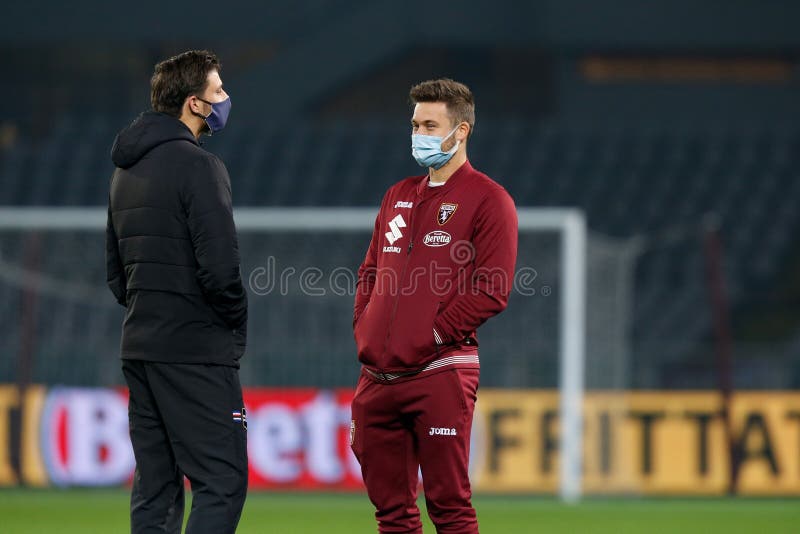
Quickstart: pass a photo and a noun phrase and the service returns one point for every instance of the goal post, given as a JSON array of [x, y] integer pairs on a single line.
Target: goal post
[[572, 350], [567, 224]]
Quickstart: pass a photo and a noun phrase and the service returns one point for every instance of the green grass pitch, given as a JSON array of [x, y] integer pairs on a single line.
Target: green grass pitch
[[106, 512]]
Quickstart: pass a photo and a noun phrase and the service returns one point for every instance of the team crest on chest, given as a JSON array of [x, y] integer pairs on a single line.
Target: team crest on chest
[[446, 211]]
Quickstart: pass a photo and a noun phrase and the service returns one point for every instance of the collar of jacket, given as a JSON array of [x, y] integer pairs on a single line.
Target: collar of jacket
[[148, 131], [465, 169]]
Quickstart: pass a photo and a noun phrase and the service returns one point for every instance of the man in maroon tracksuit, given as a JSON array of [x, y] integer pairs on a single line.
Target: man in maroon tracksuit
[[440, 263]]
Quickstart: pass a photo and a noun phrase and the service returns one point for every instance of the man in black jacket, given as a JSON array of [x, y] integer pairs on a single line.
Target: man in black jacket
[[173, 261]]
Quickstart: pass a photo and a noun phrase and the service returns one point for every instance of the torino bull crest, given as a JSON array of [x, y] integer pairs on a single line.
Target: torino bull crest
[[446, 211]]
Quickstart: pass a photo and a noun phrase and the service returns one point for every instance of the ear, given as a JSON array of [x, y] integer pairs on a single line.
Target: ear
[[462, 133], [194, 104]]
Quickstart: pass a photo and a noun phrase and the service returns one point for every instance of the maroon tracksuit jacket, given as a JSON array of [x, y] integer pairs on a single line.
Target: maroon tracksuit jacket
[[440, 263]]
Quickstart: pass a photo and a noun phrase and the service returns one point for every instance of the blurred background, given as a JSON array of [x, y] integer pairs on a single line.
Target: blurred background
[[671, 125]]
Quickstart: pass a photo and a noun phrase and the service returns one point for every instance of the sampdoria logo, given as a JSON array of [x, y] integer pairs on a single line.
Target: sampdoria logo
[[437, 238]]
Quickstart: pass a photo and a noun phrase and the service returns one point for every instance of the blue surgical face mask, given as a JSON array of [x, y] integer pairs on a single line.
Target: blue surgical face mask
[[427, 149], [218, 117]]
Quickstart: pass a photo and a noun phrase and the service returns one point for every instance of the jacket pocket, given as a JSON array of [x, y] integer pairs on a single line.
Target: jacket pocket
[[412, 339], [368, 337], [239, 341]]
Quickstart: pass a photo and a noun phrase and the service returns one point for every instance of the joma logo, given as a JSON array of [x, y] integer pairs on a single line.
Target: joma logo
[[442, 432]]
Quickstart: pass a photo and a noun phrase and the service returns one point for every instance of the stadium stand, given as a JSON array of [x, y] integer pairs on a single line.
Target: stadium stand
[[653, 183]]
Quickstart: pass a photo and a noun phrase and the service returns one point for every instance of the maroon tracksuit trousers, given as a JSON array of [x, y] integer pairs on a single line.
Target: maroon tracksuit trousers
[[401, 425], [440, 263]]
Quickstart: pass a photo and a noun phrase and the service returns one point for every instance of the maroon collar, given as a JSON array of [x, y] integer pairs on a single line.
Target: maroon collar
[[465, 169]]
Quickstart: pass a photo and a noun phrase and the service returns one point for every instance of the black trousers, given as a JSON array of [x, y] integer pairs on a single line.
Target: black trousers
[[186, 419]]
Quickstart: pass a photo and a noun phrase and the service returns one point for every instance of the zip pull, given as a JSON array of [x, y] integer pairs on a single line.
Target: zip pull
[[410, 246]]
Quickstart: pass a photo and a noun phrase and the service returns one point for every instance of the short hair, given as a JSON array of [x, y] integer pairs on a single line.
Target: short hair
[[457, 97], [176, 78]]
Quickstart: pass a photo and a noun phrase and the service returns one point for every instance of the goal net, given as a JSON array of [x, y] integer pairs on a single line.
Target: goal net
[[566, 326]]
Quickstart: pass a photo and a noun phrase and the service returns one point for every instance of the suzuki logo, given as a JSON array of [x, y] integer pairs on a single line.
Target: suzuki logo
[[394, 226]]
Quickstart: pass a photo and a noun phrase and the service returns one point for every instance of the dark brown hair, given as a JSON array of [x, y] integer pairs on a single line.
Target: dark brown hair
[[178, 77], [457, 96]]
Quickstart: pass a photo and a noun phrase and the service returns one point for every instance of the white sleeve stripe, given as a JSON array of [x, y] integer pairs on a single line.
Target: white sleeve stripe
[[437, 337], [452, 360]]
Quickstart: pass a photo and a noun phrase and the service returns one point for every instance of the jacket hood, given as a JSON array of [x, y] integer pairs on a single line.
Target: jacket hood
[[148, 131]]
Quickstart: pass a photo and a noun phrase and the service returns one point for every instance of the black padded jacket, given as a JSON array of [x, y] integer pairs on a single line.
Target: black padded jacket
[[172, 255]]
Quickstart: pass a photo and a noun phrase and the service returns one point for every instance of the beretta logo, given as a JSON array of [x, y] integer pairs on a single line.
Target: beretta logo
[[437, 238]]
